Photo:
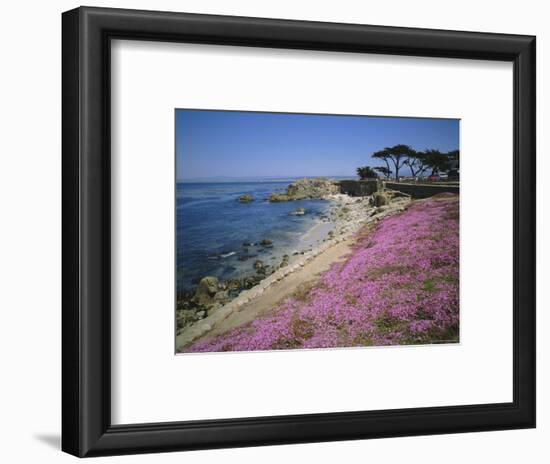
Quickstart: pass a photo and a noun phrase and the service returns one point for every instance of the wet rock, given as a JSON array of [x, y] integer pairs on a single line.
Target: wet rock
[[208, 287], [278, 197], [284, 262], [298, 212], [233, 284], [250, 281], [188, 313], [266, 243], [245, 199]]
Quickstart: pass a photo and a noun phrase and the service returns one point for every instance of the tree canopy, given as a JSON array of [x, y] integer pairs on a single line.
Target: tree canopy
[[403, 155], [418, 163], [436, 160], [398, 155], [366, 172], [384, 170]]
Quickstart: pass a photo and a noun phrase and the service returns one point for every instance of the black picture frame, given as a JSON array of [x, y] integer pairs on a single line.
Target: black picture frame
[[86, 380]]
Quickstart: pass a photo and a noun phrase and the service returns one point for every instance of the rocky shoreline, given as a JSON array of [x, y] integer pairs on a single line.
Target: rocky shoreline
[[305, 189], [214, 300]]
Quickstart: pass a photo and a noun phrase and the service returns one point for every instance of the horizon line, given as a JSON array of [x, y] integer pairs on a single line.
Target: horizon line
[[186, 179]]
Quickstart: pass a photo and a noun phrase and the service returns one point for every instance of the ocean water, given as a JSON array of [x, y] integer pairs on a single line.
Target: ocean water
[[212, 226]]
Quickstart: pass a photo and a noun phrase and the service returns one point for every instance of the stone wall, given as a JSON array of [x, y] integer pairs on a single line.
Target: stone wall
[[358, 188], [422, 190], [363, 188]]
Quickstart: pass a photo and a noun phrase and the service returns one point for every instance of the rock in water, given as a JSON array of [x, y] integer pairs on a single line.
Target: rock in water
[[245, 199], [208, 287], [279, 197], [250, 281], [284, 262], [233, 284], [298, 212]]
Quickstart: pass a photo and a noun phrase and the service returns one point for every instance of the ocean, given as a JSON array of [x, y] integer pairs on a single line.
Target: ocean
[[212, 229]]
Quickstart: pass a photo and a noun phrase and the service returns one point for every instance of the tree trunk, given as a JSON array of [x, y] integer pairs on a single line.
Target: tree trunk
[[396, 161], [387, 166]]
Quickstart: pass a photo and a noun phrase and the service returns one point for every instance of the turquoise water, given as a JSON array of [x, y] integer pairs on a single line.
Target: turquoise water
[[212, 226]]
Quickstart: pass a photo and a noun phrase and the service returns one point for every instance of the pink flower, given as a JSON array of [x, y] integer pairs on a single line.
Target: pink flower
[[398, 286]]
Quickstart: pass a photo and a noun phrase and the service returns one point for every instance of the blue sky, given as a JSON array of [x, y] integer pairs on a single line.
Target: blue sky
[[252, 144]]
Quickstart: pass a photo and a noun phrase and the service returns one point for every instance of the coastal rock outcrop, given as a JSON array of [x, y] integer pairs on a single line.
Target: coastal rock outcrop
[[279, 197], [304, 189], [380, 199], [207, 289], [193, 307], [233, 284], [387, 197]]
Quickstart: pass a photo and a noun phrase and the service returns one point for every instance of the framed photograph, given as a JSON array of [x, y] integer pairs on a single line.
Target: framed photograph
[[285, 231]]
